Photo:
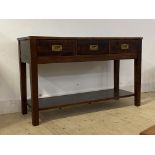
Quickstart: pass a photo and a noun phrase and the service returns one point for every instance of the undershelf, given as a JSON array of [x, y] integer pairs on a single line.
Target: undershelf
[[79, 98]]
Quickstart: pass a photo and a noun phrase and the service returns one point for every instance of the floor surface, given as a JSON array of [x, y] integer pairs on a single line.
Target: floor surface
[[105, 118]]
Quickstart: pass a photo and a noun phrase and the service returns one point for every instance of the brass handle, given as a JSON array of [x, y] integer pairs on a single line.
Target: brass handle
[[124, 46], [93, 47], [56, 48]]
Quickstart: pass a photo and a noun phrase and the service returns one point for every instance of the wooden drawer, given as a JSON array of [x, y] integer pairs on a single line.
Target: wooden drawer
[[56, 47], [92, 46], [123, 46]]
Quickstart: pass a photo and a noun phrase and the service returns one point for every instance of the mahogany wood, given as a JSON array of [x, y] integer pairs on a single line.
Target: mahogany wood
[[116, 78], [79, 98], [23, 87], [38, 50]]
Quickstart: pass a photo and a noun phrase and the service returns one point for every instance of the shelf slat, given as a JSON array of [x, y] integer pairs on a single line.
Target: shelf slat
[[79, 98]]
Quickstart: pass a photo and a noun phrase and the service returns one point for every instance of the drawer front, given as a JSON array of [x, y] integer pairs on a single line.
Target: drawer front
[[92, 47], [56, 47], [123, 46]]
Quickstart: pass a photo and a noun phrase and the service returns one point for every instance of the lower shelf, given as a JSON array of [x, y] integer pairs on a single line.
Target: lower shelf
[[72, 99]]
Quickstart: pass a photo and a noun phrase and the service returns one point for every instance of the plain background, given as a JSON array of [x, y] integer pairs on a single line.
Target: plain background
[[66, 78]]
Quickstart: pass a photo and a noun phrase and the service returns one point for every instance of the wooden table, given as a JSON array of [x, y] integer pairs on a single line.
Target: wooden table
[[42, 50]]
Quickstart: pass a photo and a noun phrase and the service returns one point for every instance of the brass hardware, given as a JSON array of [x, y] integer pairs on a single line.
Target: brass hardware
[[93, 47], [124, 46], [56, 48]]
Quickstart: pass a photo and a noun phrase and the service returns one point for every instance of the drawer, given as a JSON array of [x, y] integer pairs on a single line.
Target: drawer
[[56, 47], [123, 46], [92, 46]]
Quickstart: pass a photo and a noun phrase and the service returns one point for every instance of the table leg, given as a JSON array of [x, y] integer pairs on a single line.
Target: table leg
[[34, 93], [137, 81], [116, 78], [23, 87]]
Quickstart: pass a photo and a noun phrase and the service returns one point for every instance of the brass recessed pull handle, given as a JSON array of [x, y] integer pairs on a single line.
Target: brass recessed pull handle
[[124, 46], [93, 47], [56, 48]]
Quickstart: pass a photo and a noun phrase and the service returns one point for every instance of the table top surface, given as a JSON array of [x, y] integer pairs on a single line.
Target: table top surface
[[56, 37]]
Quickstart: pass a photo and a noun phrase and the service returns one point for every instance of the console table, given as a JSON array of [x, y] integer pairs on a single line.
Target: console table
[[42, 50]]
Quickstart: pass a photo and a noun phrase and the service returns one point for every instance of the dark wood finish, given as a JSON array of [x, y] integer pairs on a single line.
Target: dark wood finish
[[116, 78], [23, 84], [54, 37], [83, 46], [137, 75], [44, 47], [83, 58], [42, 50], [80, 98], [115, 46], [149, 131], [34, 84]]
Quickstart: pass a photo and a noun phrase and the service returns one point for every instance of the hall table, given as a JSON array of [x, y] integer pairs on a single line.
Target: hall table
[[36, 50]]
